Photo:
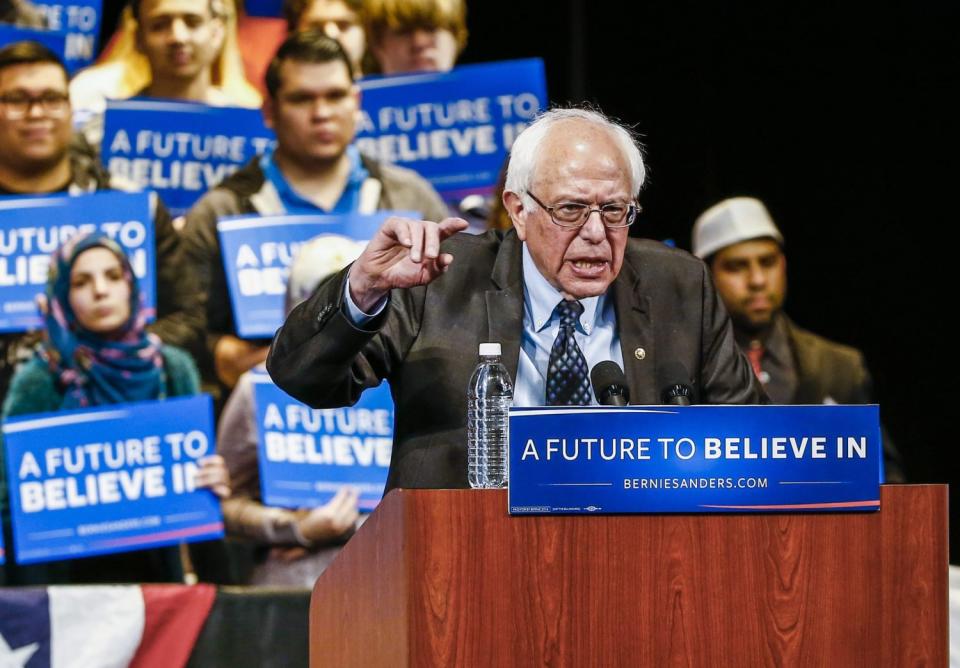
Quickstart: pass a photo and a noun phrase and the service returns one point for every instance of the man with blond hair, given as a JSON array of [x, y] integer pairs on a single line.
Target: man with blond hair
[[415, 35]]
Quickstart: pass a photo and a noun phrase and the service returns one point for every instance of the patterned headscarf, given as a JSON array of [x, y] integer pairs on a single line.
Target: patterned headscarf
[[95, 369]]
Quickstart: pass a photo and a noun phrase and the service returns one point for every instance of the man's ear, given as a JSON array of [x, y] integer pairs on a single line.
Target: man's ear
[[513, 203]]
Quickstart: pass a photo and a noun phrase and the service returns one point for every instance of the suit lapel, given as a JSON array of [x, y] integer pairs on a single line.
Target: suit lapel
[[505, 302], [635, 326]]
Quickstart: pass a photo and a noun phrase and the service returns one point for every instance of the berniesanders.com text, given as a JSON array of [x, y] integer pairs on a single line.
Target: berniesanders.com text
[[696, 483]]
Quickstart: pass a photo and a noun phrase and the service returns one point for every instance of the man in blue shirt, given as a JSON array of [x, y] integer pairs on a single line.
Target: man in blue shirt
[[562, 291], [313, 107]]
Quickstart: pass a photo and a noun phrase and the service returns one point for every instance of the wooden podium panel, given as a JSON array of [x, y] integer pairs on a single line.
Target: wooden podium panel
[[447, 578]]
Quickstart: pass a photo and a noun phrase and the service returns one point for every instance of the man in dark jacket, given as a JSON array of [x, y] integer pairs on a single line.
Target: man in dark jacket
[[561, 292], [39, 154], [744, 249], [313, 107]]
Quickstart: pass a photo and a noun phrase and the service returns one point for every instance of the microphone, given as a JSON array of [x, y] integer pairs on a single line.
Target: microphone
[[475, 205], [676, 391], [609, 384]]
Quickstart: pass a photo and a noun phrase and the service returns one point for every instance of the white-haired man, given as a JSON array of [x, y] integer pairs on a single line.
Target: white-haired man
[[565, 284], [743, 247]]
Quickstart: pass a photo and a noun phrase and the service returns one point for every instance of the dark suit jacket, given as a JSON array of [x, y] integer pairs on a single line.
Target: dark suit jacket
[[826, 369], [425, 343]]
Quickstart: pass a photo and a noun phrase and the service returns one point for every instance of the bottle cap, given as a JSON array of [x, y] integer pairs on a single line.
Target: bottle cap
[[489, 350]]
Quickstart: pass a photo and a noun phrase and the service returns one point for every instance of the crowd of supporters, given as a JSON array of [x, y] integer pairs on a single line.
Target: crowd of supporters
[[96, 347]]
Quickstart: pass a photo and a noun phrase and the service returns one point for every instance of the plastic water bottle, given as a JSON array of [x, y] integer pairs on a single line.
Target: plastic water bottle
[[489, 397]]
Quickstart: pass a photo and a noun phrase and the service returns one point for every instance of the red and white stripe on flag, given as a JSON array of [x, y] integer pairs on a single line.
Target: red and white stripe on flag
[[140, 626]]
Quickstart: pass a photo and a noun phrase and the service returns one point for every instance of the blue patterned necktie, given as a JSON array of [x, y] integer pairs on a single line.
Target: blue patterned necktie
[[568, 381]]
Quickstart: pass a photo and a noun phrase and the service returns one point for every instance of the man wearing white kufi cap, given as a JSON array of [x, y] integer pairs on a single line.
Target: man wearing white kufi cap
[[742, 245]]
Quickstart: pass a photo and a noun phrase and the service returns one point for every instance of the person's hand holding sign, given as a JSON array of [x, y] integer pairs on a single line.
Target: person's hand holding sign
[[331, 520], [404, 253]]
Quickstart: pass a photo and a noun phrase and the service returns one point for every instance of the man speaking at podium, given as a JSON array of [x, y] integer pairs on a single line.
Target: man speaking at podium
[[416, 304]]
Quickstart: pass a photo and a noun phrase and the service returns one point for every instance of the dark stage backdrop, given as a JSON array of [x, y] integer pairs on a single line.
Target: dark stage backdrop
[[843, 122], [841, 119]]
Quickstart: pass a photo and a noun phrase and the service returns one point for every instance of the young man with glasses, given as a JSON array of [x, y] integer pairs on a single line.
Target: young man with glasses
[[565, 282], [38, 157], [313, 107]]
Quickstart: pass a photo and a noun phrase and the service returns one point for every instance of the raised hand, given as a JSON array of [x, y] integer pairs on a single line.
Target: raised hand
[[402, 254]]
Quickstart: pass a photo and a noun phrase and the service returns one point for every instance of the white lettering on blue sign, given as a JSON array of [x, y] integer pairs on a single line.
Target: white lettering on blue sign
[[350, 421], [685, 448], [37, 243], [270, 280], [432, 145], [92, 489], [338, 450]]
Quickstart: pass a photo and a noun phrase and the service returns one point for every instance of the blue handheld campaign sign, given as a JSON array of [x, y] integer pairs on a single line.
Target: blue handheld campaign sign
[[665, 459], [307, 454], [257, 253], [31, 228], [110, 479], [80, 19], [454, 128], [55, 40], [179, 149]]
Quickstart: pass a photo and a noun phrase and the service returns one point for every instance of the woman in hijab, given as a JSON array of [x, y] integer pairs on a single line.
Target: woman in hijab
[[96, 351]]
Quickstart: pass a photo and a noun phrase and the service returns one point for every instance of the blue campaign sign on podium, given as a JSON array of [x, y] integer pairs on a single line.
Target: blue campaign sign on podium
[[80, 20], [110, 479], [307, 454], [258, 251], [31, 228], [454, 128], [179, 149], [665, 459]]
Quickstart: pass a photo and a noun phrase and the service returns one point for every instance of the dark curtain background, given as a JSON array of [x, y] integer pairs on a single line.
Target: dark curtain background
[[841, 118]]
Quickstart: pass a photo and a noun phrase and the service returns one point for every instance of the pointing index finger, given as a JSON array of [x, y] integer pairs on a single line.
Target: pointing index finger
[[450, 226]]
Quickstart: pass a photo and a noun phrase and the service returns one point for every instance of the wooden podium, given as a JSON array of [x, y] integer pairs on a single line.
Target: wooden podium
[[447, 578]]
